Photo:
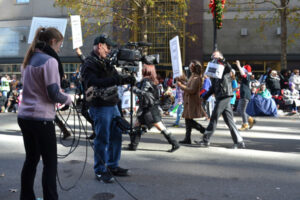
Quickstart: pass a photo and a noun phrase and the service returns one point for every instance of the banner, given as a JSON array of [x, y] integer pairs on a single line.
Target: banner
[[37, 22]]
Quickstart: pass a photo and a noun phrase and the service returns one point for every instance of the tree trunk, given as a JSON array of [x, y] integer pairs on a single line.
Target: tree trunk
[[283, 36]]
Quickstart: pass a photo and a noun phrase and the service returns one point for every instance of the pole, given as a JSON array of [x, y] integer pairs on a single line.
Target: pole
[[215, 32], [131, 107]]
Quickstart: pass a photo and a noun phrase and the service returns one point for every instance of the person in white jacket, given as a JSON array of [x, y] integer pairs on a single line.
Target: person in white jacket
[[295, 78], [291, 98]]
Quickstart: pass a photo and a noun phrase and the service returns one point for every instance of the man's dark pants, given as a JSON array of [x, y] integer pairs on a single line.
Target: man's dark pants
[[222, 107]]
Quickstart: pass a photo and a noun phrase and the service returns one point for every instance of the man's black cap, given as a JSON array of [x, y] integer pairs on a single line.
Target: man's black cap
[[104, 39]]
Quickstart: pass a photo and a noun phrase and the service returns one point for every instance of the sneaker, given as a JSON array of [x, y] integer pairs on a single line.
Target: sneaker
[[251, 122], [244, 127], [202, 143], [175, 126], [105, 177], [119, 171], [240, 145]]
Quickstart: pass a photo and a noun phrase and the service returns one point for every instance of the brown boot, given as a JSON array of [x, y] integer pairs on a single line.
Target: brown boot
[[244, 127], [251, 122]]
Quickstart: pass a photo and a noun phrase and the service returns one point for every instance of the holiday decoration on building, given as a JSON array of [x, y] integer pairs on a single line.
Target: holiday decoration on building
[[218, 6]]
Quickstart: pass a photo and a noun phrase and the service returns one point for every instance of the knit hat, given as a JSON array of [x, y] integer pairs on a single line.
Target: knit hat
[[247, 69]]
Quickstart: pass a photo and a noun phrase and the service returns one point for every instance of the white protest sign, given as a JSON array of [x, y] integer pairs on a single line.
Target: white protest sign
[[126, 102], [176, 57], [37, 22], [139, 72], [76, 31], [214, 70]]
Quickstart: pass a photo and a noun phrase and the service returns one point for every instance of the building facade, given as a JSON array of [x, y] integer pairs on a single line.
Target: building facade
[[238, 39]]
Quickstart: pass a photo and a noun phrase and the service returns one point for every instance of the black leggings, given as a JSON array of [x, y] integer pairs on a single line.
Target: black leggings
[[39, 140]]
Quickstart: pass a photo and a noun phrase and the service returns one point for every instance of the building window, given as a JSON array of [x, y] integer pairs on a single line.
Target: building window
[[159, 33], [10, 40], [22, 1]]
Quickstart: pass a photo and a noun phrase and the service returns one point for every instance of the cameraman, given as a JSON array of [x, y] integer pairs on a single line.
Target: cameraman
[[96, 72]]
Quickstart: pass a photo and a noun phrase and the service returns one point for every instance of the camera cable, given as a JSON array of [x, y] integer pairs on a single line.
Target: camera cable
[[75, 143]]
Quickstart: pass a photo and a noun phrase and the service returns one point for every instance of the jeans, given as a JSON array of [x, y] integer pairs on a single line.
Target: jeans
[[242, 109], [179, 113], [39, 140], [108, 141]]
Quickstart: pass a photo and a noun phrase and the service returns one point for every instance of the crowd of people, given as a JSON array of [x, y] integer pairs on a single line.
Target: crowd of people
[[10, 93], [102, 86]]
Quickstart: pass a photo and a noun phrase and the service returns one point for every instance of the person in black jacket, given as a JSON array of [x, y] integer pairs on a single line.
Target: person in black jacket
[[84, 106], [222, 89], [148, 113], [98, 75]]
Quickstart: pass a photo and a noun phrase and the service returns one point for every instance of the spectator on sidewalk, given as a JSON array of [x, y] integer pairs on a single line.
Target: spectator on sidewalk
[[234, 88], [284, 79], [2, 102], [295, 78], [291, 98], [13, 102], [208, 105], [262, 104], [179, 100], [5, 88], [273, 84], [253, 82]]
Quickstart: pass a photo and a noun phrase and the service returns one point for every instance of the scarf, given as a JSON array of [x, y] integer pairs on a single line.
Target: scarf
[[49, 51]]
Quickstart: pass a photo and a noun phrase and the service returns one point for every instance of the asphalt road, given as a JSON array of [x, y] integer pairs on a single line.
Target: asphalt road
[[268, 169]]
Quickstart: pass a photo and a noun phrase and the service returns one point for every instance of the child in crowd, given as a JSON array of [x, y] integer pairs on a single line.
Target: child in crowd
[[2, 102], [291, 98]]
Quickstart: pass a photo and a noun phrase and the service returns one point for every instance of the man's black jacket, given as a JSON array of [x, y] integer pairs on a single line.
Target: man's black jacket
[[222, 88], [96, 72]]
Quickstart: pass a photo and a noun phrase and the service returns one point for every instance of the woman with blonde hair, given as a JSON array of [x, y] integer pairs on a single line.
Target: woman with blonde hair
[[192, 101], [41, 75], [148, 113]]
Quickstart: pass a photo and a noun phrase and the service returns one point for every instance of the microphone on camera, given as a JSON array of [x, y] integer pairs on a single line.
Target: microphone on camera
[[145, 44]]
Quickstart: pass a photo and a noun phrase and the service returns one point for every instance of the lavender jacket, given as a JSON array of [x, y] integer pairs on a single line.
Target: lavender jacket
[[41, 88]]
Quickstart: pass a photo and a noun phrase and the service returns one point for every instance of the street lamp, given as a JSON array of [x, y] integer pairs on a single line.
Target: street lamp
[[216, 8]]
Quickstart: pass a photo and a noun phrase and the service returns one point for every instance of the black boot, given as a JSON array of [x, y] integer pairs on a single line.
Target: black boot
[[62, 127], [135, 138], [188, 130], [197, 126], [171, 140], [92, 136]]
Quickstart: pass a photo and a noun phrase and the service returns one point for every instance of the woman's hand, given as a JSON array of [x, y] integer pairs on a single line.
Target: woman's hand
[[78, 51], [179, 84]]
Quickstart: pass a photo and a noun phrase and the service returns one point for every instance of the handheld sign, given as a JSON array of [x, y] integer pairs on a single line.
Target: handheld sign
[[76, 31], [176, 57], [37, 22], [214, 70]]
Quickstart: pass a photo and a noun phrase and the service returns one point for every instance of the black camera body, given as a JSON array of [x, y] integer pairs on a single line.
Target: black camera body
[[129, 56]]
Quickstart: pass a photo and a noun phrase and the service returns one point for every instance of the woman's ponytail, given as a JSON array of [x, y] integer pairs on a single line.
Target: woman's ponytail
[[31, 48]]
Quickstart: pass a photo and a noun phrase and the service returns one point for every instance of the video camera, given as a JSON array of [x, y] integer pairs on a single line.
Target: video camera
[[129, 56]]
